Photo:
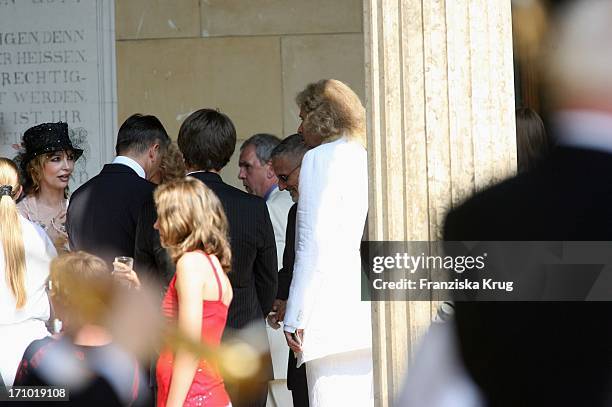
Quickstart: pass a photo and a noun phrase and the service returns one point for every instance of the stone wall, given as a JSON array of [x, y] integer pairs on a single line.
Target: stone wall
[[247, 58]]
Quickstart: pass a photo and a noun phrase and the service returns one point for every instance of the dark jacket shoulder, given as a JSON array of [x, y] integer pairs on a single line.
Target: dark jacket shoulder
[[111, 173], [569, 197], [225, 191]]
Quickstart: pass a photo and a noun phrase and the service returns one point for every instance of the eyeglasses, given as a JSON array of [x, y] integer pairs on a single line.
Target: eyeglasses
[[285, 178]]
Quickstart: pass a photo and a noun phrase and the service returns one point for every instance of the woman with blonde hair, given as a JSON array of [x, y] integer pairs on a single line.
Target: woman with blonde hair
[[47, 163], [25, 254], [193, 227], [330, 110], [172, 165], [326, 322]]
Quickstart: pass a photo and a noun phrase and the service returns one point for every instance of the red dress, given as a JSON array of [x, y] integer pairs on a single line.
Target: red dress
[[207, 388]]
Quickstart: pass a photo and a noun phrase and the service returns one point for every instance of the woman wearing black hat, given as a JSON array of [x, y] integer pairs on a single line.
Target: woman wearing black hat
[[46, 164]]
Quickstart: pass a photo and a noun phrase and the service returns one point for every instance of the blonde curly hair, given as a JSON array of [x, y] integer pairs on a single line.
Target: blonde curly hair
[[172, 164], [191, 217], [332, 110]]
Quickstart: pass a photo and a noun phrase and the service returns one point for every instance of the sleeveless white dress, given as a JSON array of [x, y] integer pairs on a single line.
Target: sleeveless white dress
[[19, 327]]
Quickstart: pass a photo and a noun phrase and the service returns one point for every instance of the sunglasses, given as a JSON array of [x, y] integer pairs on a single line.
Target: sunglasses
[[285, 178]]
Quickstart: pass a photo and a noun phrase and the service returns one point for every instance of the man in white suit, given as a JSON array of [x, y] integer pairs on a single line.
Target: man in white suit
[[259, 179]]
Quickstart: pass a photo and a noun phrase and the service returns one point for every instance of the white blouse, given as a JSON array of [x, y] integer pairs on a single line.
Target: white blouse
[[19, 327]]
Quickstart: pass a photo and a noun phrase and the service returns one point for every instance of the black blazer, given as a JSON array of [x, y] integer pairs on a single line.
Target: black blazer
[[254, 274], [296, 377], [103, 212], [540, 354], [285, 274], [149, 255]]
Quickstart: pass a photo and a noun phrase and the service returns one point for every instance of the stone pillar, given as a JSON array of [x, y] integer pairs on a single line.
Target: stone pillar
[[440, 106]]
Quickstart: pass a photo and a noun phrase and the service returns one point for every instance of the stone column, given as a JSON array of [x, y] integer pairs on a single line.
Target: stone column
[[440, 105]]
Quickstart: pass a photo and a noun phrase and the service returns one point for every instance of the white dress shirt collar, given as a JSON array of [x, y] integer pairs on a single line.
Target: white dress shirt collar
[[270, 191], [195, 172], [121, 159], [584, 129]]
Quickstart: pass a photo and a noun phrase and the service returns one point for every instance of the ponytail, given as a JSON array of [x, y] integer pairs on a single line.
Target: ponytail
[[10, 231]]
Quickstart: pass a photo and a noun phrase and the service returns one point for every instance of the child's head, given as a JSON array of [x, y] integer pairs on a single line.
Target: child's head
[[81, 288]]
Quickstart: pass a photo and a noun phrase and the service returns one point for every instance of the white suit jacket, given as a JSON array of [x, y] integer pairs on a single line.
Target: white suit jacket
[[279, 202], [325, 294]]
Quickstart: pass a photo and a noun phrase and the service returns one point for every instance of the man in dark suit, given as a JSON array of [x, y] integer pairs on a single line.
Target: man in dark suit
[[149, 255], [286, 161], [103, 212], [550, 354], [207, 139]]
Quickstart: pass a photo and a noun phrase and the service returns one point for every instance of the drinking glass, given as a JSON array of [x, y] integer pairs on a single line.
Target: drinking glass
[[128, 261]]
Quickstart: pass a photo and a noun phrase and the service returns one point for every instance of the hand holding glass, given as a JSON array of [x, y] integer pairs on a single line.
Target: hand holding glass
[[122, 268]]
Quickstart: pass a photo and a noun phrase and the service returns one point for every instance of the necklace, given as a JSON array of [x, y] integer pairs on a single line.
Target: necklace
[[46, 216]]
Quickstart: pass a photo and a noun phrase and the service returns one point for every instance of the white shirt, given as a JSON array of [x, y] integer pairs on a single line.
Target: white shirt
[[19, 327], [279, 202], [121, 159], [584, 129], [437, 377]]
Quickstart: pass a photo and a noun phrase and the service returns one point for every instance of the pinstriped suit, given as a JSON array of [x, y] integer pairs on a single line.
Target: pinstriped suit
[[254, 274]]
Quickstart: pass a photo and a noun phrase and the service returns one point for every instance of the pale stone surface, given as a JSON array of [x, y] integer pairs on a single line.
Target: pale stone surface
[[397, 150], [230, 172], [460, 113], [172, 78], [440, 126], [270, 17], [309, 58], [57, 62], [137, 19]]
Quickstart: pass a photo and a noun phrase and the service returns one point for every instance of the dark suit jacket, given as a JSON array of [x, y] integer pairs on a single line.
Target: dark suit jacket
[[285, 274], [254, 274], [103, 212], [296, 377], [540, 353], [149, 255]]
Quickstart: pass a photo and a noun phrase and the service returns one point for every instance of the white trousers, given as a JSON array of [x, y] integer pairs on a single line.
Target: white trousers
[[343, 379]]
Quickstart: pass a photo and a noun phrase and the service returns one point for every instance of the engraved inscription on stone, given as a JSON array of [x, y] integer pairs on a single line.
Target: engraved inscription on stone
[[57, 64]]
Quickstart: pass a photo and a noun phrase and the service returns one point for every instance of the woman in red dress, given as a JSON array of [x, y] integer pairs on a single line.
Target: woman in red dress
[[193, 227]]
